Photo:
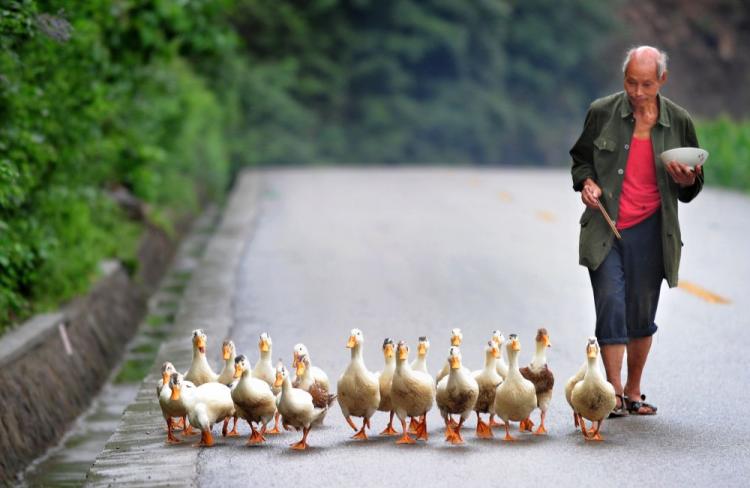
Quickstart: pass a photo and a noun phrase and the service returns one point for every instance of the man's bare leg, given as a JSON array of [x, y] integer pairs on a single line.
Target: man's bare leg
[[638, 350], [612, 355]]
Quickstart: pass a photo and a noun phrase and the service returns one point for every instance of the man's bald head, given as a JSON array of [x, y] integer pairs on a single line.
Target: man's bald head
[[646, 55]]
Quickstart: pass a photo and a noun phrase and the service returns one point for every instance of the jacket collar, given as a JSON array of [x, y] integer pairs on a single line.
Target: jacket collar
[[626, 110]]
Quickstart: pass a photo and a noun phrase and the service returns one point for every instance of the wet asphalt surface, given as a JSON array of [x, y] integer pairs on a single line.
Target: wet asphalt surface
[[410, 252]]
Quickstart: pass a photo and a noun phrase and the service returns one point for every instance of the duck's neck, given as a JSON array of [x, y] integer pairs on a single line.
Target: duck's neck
[[489, 361], [286, 385], [540, 356], [229, 363], [403, 366], [592, 370], [421, 362], [390, 364], [513, 364], [265, 356], [357, 356]]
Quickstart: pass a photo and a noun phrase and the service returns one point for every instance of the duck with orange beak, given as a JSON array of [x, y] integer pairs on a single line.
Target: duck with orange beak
[[456, 394], [296, 407], [200, 371], [385, 378], [253, 400], [304, 380], [515, 398], [456, 339], [318, 374], [412, 394], [593, 397], [171, 408], [488, 380], [538, 372], [264, 370], [206, 405], [358, 388]]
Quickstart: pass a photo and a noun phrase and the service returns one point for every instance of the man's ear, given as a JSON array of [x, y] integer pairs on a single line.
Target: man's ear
[[663, 78]]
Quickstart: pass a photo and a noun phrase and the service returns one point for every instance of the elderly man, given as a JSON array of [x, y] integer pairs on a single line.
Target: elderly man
[[616, 164]]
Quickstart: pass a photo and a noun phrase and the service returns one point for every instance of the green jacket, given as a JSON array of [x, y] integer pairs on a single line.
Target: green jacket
[[601, 154]]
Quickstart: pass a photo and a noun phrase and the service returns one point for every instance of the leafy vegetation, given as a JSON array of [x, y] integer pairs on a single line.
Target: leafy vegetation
[[93, 98], [728, 144]]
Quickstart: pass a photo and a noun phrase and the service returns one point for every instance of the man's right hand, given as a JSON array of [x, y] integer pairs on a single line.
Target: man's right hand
[[590, 193]]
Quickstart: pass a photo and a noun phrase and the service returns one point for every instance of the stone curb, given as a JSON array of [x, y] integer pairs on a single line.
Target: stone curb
[[136, 454]]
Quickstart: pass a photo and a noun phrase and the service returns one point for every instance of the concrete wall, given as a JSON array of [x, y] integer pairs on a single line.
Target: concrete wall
[[44, 382]]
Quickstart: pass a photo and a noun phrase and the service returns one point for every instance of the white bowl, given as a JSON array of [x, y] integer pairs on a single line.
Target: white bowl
[[691, 156]]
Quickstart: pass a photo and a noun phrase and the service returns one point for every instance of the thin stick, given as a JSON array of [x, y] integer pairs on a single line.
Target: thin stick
[[609, 221]]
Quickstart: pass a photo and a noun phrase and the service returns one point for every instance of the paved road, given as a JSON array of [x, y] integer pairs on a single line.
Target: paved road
[[408, 252]]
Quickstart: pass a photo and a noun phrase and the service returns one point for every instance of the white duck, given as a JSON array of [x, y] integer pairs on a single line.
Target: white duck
[[569, 385], [456, 339], [229, 354], [318, 374], [538, 372], [200, 371], [296, 407], [515, 398], [305, 381], [501, 365], [172, 408], [488, 380], [456, 394], [253, 399], [593, 397], [385, 378], [419, 364], [412, 394], [358, 389], [205, 404], [264, 370]]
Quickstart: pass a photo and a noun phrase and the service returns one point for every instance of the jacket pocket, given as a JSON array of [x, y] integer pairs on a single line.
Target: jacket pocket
[[604, 144]]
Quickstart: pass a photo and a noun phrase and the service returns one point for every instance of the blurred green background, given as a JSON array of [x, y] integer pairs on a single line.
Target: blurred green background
[[161, 102]]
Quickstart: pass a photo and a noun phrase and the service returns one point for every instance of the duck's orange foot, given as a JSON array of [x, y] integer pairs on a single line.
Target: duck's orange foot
[[495, 423], [452, 423], [525, 425], [483, 430], [189, 431], [405, 439], [413, 425], [389, 430], [422, 431], [299, 446], [171, 439], [361, 434], [207, 440], [540, 430], [255, 438]]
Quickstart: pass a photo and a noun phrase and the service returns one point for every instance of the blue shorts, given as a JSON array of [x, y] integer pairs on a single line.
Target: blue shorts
[[627, 284]]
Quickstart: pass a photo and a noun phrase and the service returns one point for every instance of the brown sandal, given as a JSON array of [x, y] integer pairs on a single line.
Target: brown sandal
[[620, 411], [635, 407]]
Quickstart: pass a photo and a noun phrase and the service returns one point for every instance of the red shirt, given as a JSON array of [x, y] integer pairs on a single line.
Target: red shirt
[[640, 196]]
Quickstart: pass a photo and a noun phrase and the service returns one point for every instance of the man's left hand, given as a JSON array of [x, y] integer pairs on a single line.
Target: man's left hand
[[683, 174]]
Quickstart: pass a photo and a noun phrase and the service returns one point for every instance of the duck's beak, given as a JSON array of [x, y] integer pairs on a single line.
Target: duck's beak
[[200, 344], [388, 351], [263, 345], [421, 349], [591, 352], [455, 341], [164, 378], [547, 342], [175, 393], [295, 359], [495, 352], [515, 345], [403, 353], [226, 352], [351, 342], [279, 380], [238, 370], [455, 362], [300, 368]]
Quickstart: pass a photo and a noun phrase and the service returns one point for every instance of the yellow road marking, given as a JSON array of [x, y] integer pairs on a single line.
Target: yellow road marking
[[505, 196], [706, 295], [546, 216]]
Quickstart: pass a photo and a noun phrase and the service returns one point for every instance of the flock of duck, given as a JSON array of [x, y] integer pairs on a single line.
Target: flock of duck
[[265, 393]]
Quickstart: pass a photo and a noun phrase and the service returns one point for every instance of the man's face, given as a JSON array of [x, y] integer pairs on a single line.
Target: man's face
[[642, 83]]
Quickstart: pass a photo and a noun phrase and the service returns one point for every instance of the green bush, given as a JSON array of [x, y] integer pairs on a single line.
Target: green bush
[[94, 97], [728, 144]]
